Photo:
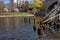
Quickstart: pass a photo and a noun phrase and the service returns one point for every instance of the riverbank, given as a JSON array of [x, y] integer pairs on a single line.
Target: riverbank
[[15, 14]]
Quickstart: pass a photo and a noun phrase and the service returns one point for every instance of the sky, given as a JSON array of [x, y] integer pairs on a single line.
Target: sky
[[7, 1]]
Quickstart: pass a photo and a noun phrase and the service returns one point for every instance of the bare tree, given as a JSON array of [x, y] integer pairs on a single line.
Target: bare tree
[[17, 3], [1, 6], [11, 5]]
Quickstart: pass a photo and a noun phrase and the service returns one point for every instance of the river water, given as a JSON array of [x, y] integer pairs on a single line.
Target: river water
[[15, 28], [18, 28]]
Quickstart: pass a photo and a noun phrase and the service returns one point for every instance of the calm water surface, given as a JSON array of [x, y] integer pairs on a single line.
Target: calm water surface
[[18, 28]]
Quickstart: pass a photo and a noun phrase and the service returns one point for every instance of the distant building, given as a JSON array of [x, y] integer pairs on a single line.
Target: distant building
[[19, 1]]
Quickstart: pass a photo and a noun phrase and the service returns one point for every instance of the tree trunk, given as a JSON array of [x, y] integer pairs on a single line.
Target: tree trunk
[[11, 5]]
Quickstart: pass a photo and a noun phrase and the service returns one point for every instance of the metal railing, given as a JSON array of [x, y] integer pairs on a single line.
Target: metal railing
[[52, 14], [52, 18]]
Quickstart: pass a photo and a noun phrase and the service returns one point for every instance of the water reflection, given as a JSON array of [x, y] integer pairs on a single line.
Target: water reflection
[[10, 24], [15, 28], [19, 28]]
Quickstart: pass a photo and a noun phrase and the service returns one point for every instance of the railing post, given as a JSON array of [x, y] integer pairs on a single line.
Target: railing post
[[29, 20], [34, 27]]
